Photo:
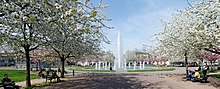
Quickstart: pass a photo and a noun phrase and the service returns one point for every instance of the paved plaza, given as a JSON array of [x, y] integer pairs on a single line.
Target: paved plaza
[[121, 80]]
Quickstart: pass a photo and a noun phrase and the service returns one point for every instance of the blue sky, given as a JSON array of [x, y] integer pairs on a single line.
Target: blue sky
[[138, 21]]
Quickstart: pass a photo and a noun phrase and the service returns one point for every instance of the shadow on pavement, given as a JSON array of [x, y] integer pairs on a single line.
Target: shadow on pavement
[[101, 81]]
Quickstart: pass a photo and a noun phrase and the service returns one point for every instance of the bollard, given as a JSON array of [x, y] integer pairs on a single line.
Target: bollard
[[73, 72]]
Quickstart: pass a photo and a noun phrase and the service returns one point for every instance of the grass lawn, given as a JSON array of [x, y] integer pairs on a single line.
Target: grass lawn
[[96, 71], [86, 69], [154, 70], [83, 69], [215, 75], [79, 68], [16, 75]]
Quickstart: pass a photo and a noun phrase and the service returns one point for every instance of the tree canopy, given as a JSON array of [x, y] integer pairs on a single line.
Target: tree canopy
[[70, 27], [195, 28]]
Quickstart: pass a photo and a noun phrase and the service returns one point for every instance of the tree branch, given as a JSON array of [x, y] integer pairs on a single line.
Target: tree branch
[[58, 52], [68, 56], [71, 56], [2, 14], [213, 51], [189, 3], [34, 48]]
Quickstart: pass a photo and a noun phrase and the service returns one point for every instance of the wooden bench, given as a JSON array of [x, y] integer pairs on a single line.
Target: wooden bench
[[13, 87], [201, 79], [52, 77]]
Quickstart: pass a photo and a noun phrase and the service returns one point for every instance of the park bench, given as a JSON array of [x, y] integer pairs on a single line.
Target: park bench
[[203, 76], [201, 79], [52, 77]]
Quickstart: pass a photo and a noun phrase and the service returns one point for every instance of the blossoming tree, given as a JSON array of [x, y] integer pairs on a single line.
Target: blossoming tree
[[74, 28], [195, 28], [69, 27]]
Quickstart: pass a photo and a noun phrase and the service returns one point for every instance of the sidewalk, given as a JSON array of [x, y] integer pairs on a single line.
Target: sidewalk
[[41, 80], [34, 81]]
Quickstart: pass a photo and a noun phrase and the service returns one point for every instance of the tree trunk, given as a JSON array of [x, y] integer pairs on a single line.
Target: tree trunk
[[28, 80], [186, 62], [62, 68], [202, 63], [37, 66], [211, 66]]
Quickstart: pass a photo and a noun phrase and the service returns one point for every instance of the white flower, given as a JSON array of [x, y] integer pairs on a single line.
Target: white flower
[[69, 12], [25, 18], [61, 16], [49, 19], [58, 6]]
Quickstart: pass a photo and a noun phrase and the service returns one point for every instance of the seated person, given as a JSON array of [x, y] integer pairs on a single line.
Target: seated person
[[41, 74], [47, 71], [8, 84], [205, 69], [54, 75], [190, 75], [199, 68], [196, 75], [59, 70]]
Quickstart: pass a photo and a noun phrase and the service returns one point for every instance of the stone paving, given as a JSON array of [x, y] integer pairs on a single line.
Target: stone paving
[[123, 80], [127, 81]]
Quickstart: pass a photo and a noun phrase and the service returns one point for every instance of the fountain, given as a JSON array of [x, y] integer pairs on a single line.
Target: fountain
[[119, 62]]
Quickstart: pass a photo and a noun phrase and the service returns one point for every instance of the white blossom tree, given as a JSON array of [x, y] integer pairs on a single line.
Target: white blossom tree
[[193, 29], [74, 28], [108, 56], [205, 23], [130, 56], [69, 27], [20, 21]]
